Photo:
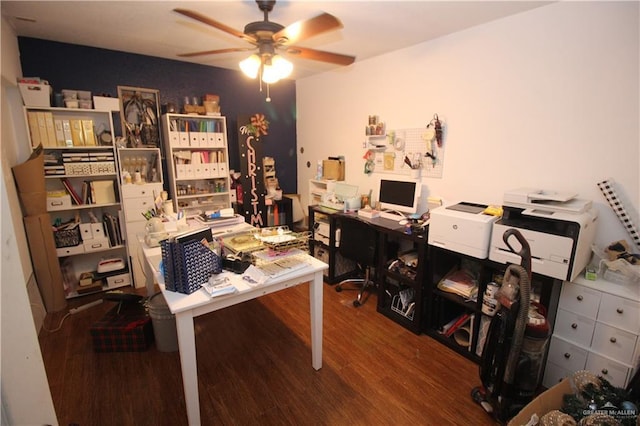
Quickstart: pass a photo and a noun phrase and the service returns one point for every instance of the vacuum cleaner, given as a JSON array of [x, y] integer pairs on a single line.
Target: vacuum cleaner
[[514, 349]]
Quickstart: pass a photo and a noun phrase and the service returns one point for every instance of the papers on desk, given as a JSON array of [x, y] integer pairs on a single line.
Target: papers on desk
[[256, 275]]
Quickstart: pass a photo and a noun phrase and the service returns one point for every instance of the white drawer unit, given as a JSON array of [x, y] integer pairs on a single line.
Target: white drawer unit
[[597, 328], [137, 199]]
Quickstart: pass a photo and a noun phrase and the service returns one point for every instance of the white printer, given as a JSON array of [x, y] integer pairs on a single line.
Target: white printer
[[559, 228], [341, 196], [463, 228]]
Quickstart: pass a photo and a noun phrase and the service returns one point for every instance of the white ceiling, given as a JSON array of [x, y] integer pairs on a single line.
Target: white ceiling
[[371, 28]]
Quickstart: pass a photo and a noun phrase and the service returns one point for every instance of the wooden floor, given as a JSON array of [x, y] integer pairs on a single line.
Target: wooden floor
[[254, 368]]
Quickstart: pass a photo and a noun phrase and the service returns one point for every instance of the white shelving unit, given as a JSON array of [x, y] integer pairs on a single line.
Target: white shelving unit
[[197, 162], [77, 162], [138, 198]]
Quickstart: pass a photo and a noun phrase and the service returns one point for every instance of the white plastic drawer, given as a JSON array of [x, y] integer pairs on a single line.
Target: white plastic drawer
[[567, 355], [574, 327], [134, 208], [96, 244], [119, 280], [553, 374], [137, 191], [579, 299], [70, 251], [620, 312], [614, 343], [611, 370]]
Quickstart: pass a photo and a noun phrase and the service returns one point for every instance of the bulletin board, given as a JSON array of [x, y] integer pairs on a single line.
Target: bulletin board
[[410, 143]]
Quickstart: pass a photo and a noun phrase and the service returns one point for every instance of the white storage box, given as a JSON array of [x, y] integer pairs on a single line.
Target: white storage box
[[96, 244], [59, 202], [70, 251], [104, 103], [97, 230], [118, 280], [38, 95], [86, 233]]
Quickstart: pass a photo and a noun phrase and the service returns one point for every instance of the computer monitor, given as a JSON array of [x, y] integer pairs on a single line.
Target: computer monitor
[[399, 197]]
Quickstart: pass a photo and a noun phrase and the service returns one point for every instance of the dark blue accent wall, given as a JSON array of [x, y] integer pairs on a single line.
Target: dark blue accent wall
[[70, 66]]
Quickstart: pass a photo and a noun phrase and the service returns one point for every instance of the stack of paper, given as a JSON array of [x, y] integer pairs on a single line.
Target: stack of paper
[[460, 282]]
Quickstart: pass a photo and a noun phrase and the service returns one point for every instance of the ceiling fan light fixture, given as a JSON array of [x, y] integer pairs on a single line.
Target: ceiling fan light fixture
[[251, 66], [283, 67], [270, 74]]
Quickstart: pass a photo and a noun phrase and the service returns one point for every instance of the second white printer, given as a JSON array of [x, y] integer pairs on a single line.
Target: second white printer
[[558, 227]]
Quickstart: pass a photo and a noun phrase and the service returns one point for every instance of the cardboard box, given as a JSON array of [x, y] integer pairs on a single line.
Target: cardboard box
[[29, 176], [33, 94], [33, 203], [549, 400], [333, 169], [127, 329], [45, 261]]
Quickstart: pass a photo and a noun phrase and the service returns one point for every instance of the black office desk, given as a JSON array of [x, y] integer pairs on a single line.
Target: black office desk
[[393, 242], [392, 280]]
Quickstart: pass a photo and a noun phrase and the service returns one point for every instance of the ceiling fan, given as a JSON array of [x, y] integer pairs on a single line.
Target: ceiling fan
[[269, 38]]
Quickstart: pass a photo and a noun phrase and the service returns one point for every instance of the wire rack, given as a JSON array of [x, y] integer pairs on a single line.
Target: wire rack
[[281, 239]]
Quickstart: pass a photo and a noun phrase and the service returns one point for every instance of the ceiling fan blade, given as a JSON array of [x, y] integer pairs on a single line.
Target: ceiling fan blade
[[215, 24], [305, 29], [319, 55], [214, 52]]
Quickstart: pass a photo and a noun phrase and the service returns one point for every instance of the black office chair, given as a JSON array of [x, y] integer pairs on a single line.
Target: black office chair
[[359, 243]]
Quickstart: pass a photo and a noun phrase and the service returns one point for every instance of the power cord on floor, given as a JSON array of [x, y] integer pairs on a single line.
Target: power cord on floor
[[45, 315], [71, 312]]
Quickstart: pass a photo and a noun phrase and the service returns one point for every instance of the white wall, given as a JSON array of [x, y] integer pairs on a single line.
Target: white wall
[[548, 98], [26, 399]]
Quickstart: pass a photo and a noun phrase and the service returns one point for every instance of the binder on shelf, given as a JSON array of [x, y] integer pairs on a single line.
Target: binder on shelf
[[88, 133], [112, 229], [66, 129], [109, 228], [51, 129], [74, 195], [42, 128], [60, 139], [102, 192], [77, 135], [32, 120], [86, 193]]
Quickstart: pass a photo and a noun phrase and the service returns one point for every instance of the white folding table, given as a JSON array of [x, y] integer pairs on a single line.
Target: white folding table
[[187, 307]]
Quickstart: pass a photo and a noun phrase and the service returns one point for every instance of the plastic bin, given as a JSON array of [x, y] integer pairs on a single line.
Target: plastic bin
[[164, 324]]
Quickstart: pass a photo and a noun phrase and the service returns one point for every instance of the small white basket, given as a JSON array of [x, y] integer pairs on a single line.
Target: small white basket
[[37, 95]]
